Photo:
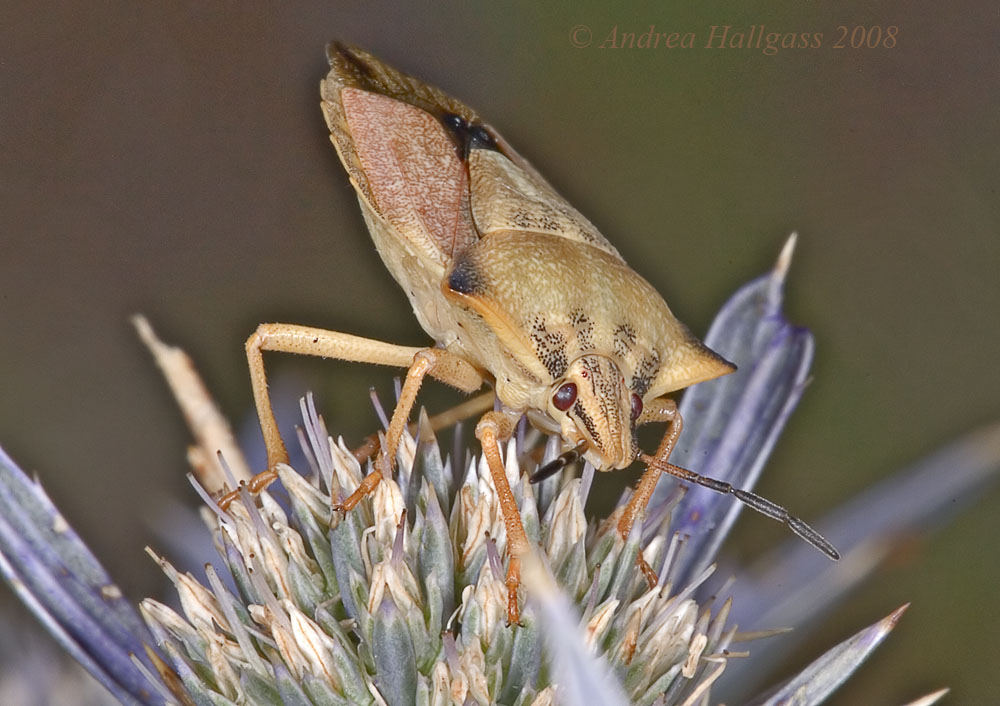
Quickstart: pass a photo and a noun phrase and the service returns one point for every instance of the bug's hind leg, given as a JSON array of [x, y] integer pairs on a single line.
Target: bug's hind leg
[[306, 340]]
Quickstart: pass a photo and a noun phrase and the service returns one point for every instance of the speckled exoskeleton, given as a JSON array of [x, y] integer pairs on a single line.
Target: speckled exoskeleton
[[516, 288]]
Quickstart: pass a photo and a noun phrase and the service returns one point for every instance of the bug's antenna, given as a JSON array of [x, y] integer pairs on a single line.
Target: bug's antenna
[[752, 500], [558, 463]]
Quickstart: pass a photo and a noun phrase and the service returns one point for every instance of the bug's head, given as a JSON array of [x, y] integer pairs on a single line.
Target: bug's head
[[593, 404]]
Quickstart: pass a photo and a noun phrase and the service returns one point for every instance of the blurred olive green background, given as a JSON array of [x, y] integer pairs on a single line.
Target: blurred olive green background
[[170, 158]]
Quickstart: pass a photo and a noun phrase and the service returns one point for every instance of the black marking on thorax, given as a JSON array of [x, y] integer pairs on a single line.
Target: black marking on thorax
[[645, 373], [629, 352], [624, 339], [550, 347], [468, 136], [465, 278], [583, 326]]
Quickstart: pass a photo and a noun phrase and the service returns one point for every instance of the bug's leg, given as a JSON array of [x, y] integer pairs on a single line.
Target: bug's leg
[[306, 340], [469, 408], [662, 409], [422, 363], [435, 361], [493, 428]]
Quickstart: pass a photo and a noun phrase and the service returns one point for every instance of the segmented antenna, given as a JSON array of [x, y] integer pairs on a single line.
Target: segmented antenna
[[558, 463], [751, 500]]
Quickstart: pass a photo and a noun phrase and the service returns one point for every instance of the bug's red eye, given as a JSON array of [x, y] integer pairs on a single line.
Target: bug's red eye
[[565, 396], [636, 406]]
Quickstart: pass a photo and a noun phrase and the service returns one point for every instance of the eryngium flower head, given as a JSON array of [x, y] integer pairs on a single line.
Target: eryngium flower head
[[402, 600]]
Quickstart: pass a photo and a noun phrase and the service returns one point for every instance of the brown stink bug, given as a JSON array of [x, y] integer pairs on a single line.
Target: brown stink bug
[[516, 288]]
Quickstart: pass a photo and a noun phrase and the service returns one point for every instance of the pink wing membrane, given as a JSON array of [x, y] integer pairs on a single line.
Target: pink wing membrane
[[416, 178]]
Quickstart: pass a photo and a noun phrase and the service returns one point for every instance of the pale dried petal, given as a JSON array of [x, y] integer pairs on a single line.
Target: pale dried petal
[[599, 624], [304, 492], [473, 663], [286, 642], [314, 644], [199, 604], [225, 676], [347, 473], [387, 508], [167, 618], [547, 697]]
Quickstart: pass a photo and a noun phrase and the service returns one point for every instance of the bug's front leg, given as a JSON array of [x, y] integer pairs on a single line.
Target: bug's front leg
[[492, 429], [306, 340], [662, 409]]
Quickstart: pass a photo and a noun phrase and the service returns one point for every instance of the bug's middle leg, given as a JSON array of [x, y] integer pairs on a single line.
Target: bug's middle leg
[[662, 409], [493, 428], [434, 361], [450, 417]]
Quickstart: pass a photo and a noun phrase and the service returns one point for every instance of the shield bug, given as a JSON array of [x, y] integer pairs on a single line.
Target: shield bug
[[517, 289]]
